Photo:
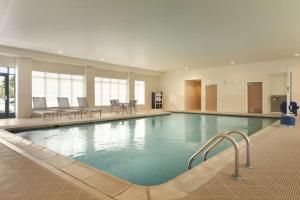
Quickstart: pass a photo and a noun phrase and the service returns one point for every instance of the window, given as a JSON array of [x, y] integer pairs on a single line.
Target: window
[[7, 89], [107, 89], [53, 85], [140, 91]]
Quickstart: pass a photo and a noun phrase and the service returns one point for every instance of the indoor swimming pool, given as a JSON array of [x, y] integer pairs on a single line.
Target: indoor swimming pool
[[144, 151]]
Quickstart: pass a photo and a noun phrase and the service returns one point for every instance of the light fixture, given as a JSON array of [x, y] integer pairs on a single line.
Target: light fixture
[[232, 62], [186, 68], [297, 54], [156, 69], [102, 59], [60, 52]]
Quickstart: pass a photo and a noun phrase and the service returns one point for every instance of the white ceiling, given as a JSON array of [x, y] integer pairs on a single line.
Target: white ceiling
[[155, 34]]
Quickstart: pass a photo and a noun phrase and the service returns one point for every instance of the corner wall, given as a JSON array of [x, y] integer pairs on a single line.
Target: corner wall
[[232, 84]]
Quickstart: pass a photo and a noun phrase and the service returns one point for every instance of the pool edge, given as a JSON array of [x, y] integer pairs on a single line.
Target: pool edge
[[117, 188], [231, 114]]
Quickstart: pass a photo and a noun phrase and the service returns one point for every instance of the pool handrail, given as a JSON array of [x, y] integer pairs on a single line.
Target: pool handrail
[[244, 136], [211, 142]]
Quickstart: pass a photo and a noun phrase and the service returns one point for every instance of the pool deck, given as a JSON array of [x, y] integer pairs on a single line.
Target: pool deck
[[37, 122], [275, 158]]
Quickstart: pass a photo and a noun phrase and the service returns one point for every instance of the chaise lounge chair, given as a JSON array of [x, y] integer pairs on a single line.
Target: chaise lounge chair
[[84, 106], [40, 107], [64, 107]]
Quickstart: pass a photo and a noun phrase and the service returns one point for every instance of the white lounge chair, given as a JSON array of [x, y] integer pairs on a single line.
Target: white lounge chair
[[132, 106], [64, 108], [40, 107], [115, 105], [84, 106]]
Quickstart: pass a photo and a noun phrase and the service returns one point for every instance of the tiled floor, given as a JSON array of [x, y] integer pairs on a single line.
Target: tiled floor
[[15, 123], [276, 175], [22, 179]]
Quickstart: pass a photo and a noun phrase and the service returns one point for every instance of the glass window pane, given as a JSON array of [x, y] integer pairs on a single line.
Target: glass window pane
[[52, 89], [140, 92], [114, 90], [52, 85], [11, 93], [98, 93], [3, 69], [123, 92], [121, 81], [77, 91], [2, 94], [105, 97], [65, 88], [11, 70], [107, 89], [38, 86]]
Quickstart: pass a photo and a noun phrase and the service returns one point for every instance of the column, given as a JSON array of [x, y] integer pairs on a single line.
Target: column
[[131, 89], [23, 88], [90, 85]]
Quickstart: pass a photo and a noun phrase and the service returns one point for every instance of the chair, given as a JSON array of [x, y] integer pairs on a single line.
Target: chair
[[64, 107], [115, 105], [40, 107], [132, 106], [84, 106]]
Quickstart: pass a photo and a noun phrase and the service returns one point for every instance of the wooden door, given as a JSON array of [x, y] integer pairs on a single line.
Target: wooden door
[[255, 97], [211, 97], [193, 95]]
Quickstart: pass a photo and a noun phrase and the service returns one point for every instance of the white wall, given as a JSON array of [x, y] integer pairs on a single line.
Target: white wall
[[232, 83], [8, 61], [278, 83], [38, 61], [231, 80]]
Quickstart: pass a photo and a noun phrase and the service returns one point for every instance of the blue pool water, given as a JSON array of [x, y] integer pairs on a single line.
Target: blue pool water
[[145, 151]]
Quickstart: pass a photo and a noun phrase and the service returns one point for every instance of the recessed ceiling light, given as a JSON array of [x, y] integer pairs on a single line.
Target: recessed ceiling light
[[102, 59], [186, 68], [133, 65], [232, 62], [297, 54], [60, 52], [156, 69]]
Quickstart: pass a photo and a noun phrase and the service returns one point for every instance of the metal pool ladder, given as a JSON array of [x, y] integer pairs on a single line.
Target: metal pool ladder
[[215, 141]]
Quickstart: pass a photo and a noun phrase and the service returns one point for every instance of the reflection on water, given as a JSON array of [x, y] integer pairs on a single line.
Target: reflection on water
[[254, 124], [144, 151]]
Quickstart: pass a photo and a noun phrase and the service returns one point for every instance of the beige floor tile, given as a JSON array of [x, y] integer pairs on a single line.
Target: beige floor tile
[[79, 170], [276, 174], [134, 193], [106, 183]]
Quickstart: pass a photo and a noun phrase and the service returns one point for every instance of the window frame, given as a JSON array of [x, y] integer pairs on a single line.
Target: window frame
[[117, 82], [137, 84], [59, 77]]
